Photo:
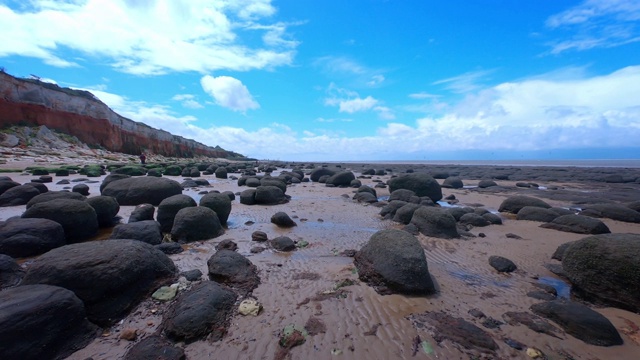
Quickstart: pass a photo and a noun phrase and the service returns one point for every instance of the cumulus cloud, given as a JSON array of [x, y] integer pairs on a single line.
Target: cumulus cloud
[[229, 92], [148, 37], [188, 101], [357, 104]]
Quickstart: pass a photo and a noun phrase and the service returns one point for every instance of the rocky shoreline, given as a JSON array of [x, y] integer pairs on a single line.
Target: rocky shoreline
[[210, 258]]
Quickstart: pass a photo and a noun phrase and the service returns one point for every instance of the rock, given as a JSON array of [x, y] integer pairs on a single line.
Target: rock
[[248, 197], [462, 333], [292, 336], [534, 213], [559, 253], [319, 172], [10, 272], [365, 197], [483, 184], [141, 190], [82, 189], [605, 268], [281, 219], [129, 334], [458, 212], [452, 182], [42, 322], [196, 223], [154, 348], [169, 207], [170, 248], [377, 264], [111, 178], [202, 311], [192, 275], [147, 231], [109, 276], [580, 321], [277, 182], [389, 210], [269, 195], [635, 205], [282, 243], [502, 264], [234, 270], [221, 173], [531, 321], [165, 293], [219, 203], [493, 219], [343, 178], [421, 184], [249, 307], [577, 224], [259, 236], [474, 219], [106, 209], [541, 295], [130, 170], [78, 219], [18, 195], [142, 212], [405, 213], [612, 211], [227, 244], [29, 237], [513, 204], [55, 195], [435, 222], [41, 187]]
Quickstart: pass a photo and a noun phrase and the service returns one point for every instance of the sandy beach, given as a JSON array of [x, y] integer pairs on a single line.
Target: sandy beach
[[309, 283]]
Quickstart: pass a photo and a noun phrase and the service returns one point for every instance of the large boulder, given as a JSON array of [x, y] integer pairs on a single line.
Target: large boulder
[[282, 219], [220, 203], [577, 224], [55, 195], [452, 182], [147, 231], [404, 195], [154, 347], [316, 174], [111, 178], [605, 268], [140, 190], [234, 270], [436, 222], [10, 272], [196, 223], [277, 182], [18, 195], [343, 178], [170, 206], [6, 184], [421, 184], [269, 195], [109, 276], [248, 197], [580, 321], [405, 214], [78, 219], [513, 204], [202, 311], [535, 213], [42, 322], [29, 237], [474, 219], [612, 211], [106, 208], [393, 261]]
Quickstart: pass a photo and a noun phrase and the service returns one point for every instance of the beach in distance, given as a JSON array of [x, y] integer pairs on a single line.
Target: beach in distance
[[321, 289]]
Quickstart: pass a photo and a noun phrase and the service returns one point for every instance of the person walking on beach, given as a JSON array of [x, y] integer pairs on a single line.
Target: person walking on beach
[[142, 158]]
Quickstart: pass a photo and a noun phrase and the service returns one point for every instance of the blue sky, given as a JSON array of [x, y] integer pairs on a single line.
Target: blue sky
[[350, 80]]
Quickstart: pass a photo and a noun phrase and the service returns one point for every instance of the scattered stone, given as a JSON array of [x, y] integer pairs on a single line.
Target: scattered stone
[[234, 270], [165, 293], [515, 344], [257, 249], [170, 206], [18, 195], [170, 248], [315, 326], [476, 313], [106, 209], [502, 264], [192, 275], [535, 213], [82, 189], [156, 348], [531, 321], [219, 203], [259, 236], [283, 243], [513, 236], [129, 334], [612, 211], [142, 212], [541, 295], [227, 244], [249, 307], [420, 183], [435, 222], [282, 219], [491, 323]]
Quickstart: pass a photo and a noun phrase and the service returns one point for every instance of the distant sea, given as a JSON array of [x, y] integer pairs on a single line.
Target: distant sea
[[623, 163]]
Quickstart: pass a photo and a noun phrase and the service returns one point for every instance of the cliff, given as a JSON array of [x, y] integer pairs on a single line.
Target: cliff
[[32, 102]]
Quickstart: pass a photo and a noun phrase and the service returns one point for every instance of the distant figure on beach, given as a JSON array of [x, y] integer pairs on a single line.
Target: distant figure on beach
[[142, 159]]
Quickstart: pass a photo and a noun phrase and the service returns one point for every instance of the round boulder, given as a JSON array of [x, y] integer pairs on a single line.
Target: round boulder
[[55, 195], [282, 219], [534, 213], [393, 261], [140, 190], [78, 219], [513, 204], [234, 270], [452, 182], [196, 223], [421, 184], [577, 224], [142, 212], [282, 243], [436, 222], [170, 206], [106, 209], [269, 195], [342, 178], [10, 272], [18, 195], [146, 231], [219, 203], [29, 237]]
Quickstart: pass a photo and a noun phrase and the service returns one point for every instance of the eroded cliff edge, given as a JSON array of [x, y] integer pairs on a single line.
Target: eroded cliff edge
[[79, 113]]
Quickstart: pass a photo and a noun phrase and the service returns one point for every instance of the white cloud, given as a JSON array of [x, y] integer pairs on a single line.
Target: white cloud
[[376, 80], [188, 101], [229, 92], [464, 83], [357, 104], [423, 95], [148, 37], [384, 112], [596, 24]]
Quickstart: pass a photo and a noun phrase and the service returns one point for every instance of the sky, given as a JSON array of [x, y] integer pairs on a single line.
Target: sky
[[357, 80]]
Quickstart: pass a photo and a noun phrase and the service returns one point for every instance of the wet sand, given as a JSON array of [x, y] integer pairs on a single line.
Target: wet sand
[[360, 324]]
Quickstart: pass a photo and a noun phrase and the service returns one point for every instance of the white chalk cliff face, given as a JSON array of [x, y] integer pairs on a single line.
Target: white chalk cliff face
[[79, 113]]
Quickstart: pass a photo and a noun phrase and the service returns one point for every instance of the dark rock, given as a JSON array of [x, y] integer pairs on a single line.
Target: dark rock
[[635, 205], [513, 204], [259, 236], [78, 219], [142, 212], [109, 276], [227, 244], [493, 219], [130, 170], [281, 219], [10, 272], [221, 173], [170, 248], [248, 197], [577, 224], [612, 211], [192, 275], [28, 237], [483, 184], [257, 249], [605, 268], [452, 182], [474, 219], [502, 264], [365, 197], [269, 195], [55, 195], [277, 182], [170, 206], [435, 222], [458, 212], [534, 213], [580, 321], [541, 295], [106, 209], [154, 348], [141, 190], [531, 321], [202, 311], [421, 184], [319, 172], [476, 313], [559, 253], [42, 322], [462, 333], [513, 236], [41, 187], [111, 178], [378, 264], [282, 243], [405, 213], [343, 178], [491, 323], [147, 231], [82, 189], [219, 203], [18, 195], [234, 270], [7, 184], [402, 195], [389, 210], [195, 223], [514, 344]]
